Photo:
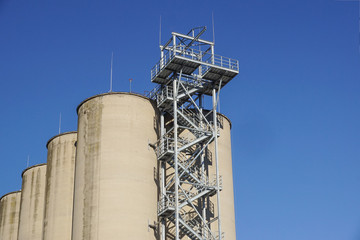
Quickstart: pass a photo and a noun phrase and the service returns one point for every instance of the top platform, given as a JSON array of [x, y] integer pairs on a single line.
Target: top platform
[[183, 56]]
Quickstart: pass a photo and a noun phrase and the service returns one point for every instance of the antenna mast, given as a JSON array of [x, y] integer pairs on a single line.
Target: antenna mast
[[213, 27], [60, 123], [160, 33], [130, 80], [111, 70]]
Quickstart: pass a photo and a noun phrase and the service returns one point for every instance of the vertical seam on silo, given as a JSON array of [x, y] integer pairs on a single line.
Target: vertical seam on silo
[[99, 169]]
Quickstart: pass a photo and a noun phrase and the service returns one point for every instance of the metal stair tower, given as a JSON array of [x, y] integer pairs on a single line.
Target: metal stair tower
[[187, 72]]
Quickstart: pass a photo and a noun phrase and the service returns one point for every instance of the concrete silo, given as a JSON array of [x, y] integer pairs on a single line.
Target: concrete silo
[[115, 193], [225, 170], [9, 215], [32, 203], [59, 186]]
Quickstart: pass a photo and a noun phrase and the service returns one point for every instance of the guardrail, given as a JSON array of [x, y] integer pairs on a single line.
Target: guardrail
[[206, 57], [166, 202], [164, 145]]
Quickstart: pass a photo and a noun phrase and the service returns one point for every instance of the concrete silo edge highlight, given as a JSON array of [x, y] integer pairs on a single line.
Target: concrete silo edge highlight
[[58, 135], [9, 194], [37, 165], [227, 118], [111, 93]]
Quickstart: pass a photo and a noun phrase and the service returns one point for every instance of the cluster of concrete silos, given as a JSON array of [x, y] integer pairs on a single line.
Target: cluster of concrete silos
[[101, 181]]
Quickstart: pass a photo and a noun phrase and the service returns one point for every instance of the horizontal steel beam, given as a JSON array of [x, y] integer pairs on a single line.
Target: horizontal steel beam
[[192, 143], [192, 38]]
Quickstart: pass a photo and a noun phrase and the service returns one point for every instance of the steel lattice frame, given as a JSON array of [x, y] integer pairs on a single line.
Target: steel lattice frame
[[185, 74]]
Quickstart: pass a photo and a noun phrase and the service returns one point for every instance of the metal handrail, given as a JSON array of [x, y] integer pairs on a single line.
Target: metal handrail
[[153, 93], [163, 94], [164, 145], [192, 116], [218, 235], [167, 144], [197, 55], [165, 202]]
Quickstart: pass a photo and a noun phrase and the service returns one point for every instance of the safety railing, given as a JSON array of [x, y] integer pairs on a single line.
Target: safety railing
[[161, 64], [166, 202], [191, 116], [190, 218], [214, 182], [207, 58], [220, 237], [164, 94], [164, 146], [220, 61], [190, 81], [153, 93], [213, 236], [196, 173]]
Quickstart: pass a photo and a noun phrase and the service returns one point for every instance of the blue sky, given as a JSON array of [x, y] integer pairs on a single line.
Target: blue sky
[[294, 106]]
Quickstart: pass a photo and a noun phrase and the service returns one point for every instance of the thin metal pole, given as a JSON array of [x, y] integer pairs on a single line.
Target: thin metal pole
[[130, 80], [212, 55], [160, 32], [216, 160], [202, 159], [162, 58], [162, 174], [60, 123], [111, 70], [176, 161], [213, 27], [174, 45], [219, 105]]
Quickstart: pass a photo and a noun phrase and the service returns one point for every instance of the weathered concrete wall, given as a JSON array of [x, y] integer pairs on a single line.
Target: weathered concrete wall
[[32, 203], [225, 170], [115, 192], [59, 186], [9, 215]]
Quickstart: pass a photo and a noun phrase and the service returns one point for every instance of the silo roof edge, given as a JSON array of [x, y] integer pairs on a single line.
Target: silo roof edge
[[37, 165], [110, 93], [9, 194], [227, 118], [59, 135]]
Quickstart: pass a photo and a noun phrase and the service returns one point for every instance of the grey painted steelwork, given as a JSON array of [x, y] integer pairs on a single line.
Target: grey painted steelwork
[[187, 71]]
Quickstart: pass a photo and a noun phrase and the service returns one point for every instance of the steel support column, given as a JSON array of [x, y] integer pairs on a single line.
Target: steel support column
[[175, 91], [162, 178], [216, 159]]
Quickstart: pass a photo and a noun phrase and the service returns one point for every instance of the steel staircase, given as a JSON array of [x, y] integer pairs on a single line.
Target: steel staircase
[[186, 73]]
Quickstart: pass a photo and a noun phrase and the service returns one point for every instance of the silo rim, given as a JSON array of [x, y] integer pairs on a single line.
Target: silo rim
[[226, 119], [37, 165], [9, 194], [223, 115], [61, 134], [110, 93]]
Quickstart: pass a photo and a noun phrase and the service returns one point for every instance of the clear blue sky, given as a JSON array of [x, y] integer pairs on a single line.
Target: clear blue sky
[[294, 106]]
